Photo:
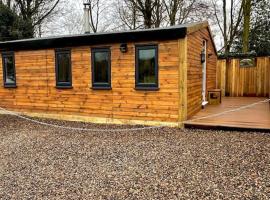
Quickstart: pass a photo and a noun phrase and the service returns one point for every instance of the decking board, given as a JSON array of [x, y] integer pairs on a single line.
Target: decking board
[[256, 117]]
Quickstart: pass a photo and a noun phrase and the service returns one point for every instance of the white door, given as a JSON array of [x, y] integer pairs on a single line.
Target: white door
[[204, 57]]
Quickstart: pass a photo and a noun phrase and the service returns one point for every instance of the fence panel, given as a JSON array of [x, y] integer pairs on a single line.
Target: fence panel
[[237, 81]]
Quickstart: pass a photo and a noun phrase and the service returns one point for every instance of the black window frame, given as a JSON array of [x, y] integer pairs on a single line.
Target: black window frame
[[5, 55], [146, 86], [59, 84], [98, 85]]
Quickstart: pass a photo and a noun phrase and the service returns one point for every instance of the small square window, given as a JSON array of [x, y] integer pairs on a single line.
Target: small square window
[[63, 69], [101, 68], [9, 72], [147, 67]]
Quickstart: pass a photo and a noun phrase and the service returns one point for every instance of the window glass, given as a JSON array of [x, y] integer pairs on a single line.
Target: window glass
[[9, 70], [101, 70], [147, 66], [101, 67], [63, 67]]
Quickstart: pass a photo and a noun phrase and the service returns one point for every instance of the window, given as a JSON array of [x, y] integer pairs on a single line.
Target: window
[[147, 67], [63, 68], [101, 68], [9, 73]]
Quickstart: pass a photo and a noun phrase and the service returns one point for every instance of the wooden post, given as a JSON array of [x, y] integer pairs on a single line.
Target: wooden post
[[223, 79], [221, 75], [268, 66], [182, 48], [233, 63]]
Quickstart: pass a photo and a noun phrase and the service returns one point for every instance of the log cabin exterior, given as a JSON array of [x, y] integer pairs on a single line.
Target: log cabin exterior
[[125, 95]]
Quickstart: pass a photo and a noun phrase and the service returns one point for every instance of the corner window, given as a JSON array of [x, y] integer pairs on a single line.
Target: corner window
[[147, 67], [63, 68], [9, 73], [101, 68]]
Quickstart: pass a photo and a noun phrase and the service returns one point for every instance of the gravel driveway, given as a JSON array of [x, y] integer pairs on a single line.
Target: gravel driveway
[[38, 162]]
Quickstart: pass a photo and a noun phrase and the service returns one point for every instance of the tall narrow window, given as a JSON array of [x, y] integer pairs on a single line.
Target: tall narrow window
[[63, 68], [101, 68], [9, 73], [147, 67]]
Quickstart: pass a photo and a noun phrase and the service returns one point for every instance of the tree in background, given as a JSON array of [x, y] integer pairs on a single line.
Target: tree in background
[[259, 40], [160, 13], [183, 11], [137, 14], [12, 26], [147, 9], [31, 13], [7, 23], [246, 24], [35, 12], [128, 15], [67, 21], [259, 33], [228, 21], [172, 7]]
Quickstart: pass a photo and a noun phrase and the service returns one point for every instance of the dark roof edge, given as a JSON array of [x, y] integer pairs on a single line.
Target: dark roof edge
[[170, 33]]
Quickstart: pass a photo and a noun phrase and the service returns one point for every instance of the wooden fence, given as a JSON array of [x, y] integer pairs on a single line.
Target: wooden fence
[[237, 81]]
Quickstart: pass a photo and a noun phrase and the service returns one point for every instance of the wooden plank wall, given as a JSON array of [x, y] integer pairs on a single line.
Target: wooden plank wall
[[36, 92], [194, 69], [244, 81]]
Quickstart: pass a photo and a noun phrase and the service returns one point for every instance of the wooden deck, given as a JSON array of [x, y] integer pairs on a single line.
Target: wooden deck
[[252, 118]]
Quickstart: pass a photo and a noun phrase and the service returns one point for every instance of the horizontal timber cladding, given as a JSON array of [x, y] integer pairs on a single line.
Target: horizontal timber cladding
[[194, 68], [36, 91], [239, 81]]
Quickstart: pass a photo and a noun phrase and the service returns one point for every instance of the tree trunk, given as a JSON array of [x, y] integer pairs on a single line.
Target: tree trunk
[[226, 47], [134, 18], [173, 12], [148, 14], [158, 14], [247, 11]]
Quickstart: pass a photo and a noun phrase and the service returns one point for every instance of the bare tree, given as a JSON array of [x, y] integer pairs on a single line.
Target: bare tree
[[35, 12], [71, 20], [68, 21], [158, 15], [96, 9], [172, 8], [128, 14], [229, 22], [147, 9], [136, 14]]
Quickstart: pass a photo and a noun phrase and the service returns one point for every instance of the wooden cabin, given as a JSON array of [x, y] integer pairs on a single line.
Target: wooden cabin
[[151, 77]]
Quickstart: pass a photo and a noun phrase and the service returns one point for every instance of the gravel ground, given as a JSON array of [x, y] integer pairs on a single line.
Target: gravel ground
[[38, 162]]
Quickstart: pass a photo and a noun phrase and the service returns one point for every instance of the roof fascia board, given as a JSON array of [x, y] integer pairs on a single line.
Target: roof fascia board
[[95, 39]]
